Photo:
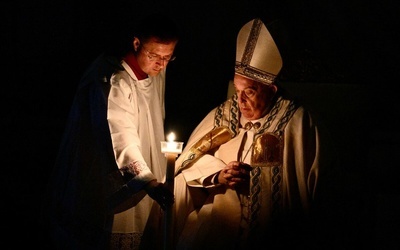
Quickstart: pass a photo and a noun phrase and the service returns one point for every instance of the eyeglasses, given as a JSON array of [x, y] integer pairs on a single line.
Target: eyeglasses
[[155, 57]]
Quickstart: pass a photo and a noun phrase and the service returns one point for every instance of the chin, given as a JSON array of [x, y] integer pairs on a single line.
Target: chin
[[246, 115]]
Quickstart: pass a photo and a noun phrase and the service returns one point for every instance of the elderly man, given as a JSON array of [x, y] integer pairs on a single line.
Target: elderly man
[[250, 171]]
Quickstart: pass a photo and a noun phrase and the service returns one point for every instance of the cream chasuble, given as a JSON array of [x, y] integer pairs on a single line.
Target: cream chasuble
[[281, 153]]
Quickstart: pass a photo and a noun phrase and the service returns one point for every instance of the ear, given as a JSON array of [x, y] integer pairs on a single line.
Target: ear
[[136, 43], [273, 88]]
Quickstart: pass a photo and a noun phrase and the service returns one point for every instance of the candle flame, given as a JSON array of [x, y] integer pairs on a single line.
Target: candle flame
[[171, 137]]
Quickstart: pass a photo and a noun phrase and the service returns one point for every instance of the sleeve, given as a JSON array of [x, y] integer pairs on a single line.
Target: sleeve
[[302, 154], [123, 122], [197, 163], [205, 167]]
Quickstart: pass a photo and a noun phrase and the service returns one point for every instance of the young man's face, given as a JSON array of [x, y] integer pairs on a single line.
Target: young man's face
[[153, 56]]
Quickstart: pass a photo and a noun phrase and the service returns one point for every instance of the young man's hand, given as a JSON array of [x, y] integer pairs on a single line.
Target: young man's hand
[[159, 192]]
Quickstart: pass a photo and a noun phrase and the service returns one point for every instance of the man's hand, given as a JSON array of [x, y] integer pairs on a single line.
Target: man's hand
[[159, 192], [235, 173]]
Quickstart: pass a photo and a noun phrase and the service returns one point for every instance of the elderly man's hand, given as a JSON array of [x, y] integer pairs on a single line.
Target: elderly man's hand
[[235, 173], [159, 192]]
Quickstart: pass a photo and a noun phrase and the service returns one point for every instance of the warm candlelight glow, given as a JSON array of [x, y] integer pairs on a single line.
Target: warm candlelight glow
[[171, 137], [171, 146], [171, 149]]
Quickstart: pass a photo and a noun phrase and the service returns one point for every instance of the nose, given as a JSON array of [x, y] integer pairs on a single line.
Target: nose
[[161, 61]]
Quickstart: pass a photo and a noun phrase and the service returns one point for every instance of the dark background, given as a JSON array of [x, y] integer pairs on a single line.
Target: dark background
[[340, 59]]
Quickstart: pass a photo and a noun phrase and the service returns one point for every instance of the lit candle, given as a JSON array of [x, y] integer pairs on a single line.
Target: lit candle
[[171, 149], [171, 146]]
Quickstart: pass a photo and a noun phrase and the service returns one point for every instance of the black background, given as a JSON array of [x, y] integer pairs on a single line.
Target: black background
[[340, 59]]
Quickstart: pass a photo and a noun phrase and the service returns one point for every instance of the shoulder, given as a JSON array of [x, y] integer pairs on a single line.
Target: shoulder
[[107, 64]]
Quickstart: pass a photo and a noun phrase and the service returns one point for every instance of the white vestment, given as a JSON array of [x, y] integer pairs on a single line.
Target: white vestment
[[136, 119], [286, 166]]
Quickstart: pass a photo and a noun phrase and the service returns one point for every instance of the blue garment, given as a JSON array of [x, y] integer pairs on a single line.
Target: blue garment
[[75, 209]]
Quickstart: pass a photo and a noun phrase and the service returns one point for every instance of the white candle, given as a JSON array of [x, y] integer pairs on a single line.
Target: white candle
[[171, 146], [171, 149]]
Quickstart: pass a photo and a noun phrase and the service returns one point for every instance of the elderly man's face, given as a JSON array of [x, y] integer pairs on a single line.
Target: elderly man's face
[[254, 97]]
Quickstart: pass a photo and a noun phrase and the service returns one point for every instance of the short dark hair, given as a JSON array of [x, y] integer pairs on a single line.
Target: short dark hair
[[158, 26]]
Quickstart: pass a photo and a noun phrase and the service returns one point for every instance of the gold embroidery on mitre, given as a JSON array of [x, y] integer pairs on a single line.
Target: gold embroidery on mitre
[[257, 56]]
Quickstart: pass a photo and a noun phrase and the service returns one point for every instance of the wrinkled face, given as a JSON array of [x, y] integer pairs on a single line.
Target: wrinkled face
[[153, 56], [254, 97]]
